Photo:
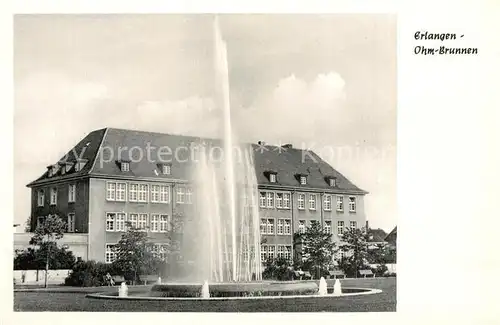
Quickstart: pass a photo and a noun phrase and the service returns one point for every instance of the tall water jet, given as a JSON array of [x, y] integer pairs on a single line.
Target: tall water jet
[[222, 79], [226, 216], [337, 288], [322, 287]]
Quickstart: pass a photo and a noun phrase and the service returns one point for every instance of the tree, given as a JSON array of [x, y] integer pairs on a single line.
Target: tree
[[354, 245], [27, 225], [134, 254], [46, 235], [34, 258], [317, 248], [277, 268]]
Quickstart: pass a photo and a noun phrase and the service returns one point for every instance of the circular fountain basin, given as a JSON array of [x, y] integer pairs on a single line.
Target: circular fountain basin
[[235, 291], [240, 289]]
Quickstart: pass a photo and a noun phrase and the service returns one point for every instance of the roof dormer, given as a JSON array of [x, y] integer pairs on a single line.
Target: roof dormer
[[165, 168], [332, 181], [80, 163], [272, 176], [124, 165], [302, 178]]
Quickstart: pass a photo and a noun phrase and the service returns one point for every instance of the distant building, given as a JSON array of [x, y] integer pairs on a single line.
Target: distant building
[[97, 193], [376, 238], [391, 238]]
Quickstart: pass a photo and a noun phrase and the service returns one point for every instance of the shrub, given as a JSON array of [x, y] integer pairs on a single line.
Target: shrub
[[89, 274], [380, 270]]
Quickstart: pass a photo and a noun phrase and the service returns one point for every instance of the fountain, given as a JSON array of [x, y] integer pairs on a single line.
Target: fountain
[[205, 292], [322, 287], [123, 290], [337, 288], [222, 241]]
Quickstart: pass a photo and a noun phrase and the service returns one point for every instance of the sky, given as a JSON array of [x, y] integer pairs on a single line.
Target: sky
[[322, 82]]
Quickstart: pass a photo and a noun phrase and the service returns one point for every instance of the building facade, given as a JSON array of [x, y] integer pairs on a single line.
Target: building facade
[[97, 191]]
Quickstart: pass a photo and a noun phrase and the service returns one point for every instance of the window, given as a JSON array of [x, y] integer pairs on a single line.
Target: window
[[166, 169], [270, 199], [71, 222], [327, 202], [180, 195], [142, 222], [270, 226], [312, 201], [281, 224], [155, 193], [270, 251], [132, 219], [115, 191], [120, 222], [279, 200], [340, 227], [110, 221], [288, 252], [164, 227], [302, 226], [71, 192], [328, 227], [288, 227], [281, 251], [110, 253], [132, 192], [262, 199], [40, 221], [163, 252], [40, 198], [352, 204], [272, 178], [340, 203], [53, 196], [303, 180], [189, 196], [353, 224], [154, 249], [125, 166], [341, 255], [164, 194], [263, 253], [333, 182], [79, 165], [143, 193], [300, 201], [121, 190], [263, 226], [154, 222], [286, 200]]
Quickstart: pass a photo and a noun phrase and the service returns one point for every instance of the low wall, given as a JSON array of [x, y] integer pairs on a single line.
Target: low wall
[[30, 276]]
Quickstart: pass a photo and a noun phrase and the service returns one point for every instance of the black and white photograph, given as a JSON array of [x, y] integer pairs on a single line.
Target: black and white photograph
[[205, 162]]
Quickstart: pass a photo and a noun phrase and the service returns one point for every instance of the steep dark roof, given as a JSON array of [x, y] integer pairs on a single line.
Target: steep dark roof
[[376, 235], [87, 149], [391, 238], [102, 153]]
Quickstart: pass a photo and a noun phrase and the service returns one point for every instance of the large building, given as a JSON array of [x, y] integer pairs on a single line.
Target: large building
[[97, 191]]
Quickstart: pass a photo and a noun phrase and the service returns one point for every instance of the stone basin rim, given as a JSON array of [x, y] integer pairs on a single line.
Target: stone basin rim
[[365, 291]]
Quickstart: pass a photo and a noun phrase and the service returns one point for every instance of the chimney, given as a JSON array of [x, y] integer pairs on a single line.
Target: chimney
[[367, 225]]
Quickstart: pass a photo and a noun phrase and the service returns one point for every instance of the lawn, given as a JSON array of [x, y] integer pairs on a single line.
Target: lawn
[[73, 299]]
